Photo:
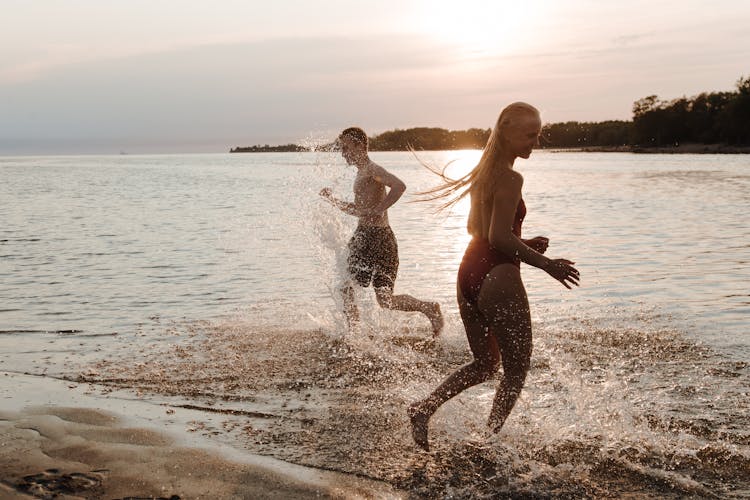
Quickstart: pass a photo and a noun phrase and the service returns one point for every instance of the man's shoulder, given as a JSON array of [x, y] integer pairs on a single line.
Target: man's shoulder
[[372, 168], [375, 172]]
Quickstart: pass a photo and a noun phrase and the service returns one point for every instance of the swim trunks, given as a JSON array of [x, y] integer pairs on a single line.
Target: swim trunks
[[373, 256], [480, 257]]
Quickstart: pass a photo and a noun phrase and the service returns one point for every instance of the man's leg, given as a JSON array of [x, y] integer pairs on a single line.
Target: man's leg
[[360, 272], [350, 308], [376, 262], [404, 302], [384, 279]]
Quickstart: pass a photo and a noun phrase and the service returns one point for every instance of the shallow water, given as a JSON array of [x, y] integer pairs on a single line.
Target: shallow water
[[208, 281]]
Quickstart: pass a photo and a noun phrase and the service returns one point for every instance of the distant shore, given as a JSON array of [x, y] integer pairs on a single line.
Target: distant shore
[[284, 148], [676, 149], [654, 129]]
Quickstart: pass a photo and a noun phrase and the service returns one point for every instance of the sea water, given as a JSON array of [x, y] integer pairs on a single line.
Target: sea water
[[212, 280]]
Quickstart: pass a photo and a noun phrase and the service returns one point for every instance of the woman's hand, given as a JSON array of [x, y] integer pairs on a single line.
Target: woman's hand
[[538, 243], [563, 271], [325, 193]]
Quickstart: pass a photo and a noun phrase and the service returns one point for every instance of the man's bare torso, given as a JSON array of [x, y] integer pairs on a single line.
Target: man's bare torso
[[368, 192]]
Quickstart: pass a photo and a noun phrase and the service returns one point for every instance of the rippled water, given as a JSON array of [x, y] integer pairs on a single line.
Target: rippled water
[[131, 270]]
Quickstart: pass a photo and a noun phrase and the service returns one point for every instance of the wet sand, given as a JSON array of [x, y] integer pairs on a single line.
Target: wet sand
[[316, 399], [85, 452], [245, 401]]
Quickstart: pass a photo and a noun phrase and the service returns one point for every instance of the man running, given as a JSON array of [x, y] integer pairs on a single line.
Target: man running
[[373, 251]]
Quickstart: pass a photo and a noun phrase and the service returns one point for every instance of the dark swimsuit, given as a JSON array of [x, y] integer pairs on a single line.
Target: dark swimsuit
[[480, 257], [373, 256]]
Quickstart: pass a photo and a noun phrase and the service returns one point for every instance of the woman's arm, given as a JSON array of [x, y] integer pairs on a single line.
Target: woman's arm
[[501, 236], [538, 243], [504, 205]]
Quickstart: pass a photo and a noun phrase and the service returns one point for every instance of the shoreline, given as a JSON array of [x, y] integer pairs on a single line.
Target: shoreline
[[107, 426], [59, 438], [679, 149]]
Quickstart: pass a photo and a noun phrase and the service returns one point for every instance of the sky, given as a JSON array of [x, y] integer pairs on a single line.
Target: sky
[[181, 76]]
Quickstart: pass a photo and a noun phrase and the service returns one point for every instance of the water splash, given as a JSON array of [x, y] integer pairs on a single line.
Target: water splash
[[597, 418]]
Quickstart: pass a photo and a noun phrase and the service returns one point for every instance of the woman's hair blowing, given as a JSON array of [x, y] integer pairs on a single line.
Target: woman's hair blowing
[[481, 175]]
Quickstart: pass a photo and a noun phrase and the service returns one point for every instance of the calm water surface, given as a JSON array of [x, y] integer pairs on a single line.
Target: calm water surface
[[102, 243]]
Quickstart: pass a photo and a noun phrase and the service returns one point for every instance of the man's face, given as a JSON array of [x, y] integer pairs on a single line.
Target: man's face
[[351, 150]]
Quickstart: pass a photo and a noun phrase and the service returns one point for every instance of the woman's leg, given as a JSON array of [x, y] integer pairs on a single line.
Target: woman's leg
[[504, 302], [486, 358]]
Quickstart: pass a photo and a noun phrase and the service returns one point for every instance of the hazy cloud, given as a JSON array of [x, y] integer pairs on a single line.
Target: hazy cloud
[[149, 84]]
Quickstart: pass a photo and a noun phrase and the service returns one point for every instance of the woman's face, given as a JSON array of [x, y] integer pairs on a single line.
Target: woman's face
[[522, 137]]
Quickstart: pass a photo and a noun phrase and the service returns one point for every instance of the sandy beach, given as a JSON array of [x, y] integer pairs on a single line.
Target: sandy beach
[[69, 447], [243, 390]]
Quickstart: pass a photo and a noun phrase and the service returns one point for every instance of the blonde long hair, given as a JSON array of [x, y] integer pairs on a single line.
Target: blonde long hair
[[481, 176]]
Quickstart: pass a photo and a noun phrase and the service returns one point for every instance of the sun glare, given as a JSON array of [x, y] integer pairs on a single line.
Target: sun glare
[[480, 28], [459, 163]]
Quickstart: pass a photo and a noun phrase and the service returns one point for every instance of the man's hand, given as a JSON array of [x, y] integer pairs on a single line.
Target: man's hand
[[538, 243], [325, 193]]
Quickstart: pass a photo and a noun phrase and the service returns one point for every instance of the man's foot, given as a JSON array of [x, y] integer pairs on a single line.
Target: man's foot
[[418, 426], [436, 319]]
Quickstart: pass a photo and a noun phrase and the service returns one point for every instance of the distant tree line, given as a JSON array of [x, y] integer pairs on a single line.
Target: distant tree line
[[708, 118], [420, 138], [610, 133], [430, 139], [285, 148]]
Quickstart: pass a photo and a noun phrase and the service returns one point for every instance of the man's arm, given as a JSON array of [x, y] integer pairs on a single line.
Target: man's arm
[[396, 187], [345, 206]]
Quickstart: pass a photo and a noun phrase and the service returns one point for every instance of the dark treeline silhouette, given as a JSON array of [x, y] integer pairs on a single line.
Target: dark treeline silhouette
[[611, 133], [286, 148], [429, 139], [710, 118]]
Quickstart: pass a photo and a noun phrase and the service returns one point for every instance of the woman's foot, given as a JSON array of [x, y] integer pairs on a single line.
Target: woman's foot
[[495, 423], [419, 426], [436, 318]]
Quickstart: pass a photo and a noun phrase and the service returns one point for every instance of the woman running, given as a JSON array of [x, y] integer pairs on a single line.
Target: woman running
[[491, 296]]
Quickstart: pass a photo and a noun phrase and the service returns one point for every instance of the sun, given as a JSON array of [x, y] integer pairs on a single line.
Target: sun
[[480, 28]]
